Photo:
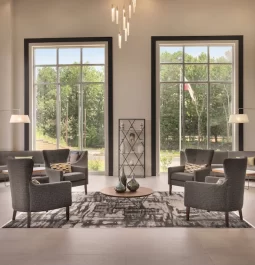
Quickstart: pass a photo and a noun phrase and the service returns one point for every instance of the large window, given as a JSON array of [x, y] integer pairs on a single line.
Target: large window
[[69, 88], [196, 94]]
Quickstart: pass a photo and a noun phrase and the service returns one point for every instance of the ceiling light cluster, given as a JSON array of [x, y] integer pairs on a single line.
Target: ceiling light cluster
[[122, 19]]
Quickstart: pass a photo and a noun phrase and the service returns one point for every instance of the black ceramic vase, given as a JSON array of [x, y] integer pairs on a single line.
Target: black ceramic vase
[[120, 187], [133, 185], [123, 177]]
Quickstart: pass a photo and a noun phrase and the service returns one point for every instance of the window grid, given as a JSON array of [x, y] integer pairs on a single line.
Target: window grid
[[209, 82], [58, 84]]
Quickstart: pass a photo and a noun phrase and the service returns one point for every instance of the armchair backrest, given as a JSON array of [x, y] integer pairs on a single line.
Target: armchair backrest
[[20, 173], [235, 172], [55, 156], [199, 156]]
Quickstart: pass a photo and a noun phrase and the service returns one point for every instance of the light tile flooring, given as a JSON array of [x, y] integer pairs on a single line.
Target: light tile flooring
[[127, 246]]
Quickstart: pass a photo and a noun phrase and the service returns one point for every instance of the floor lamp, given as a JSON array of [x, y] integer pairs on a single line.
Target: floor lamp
[[240, 117], [16, 118]]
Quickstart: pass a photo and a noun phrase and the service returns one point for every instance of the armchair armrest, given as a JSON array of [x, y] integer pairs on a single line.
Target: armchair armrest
[[199, 175], [211, 179], [172, 170], [80, 169], [205, 196], [54, 175], [50, 196], [83, 160]]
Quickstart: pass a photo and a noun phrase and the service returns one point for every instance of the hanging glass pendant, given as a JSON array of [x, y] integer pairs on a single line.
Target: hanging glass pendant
[[113, 13]]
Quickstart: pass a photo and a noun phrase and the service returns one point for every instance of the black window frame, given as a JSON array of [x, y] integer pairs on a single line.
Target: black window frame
[[83, 40], [154, 40]]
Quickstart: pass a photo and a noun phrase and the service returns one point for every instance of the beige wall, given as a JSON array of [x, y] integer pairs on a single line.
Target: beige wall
[[132, 83], [6, 73]]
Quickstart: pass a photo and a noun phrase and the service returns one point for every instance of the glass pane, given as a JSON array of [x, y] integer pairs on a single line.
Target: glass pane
[[46, 130], [70, 75], [221, 54], [70, 56], [45, 56], [196, 72], [45, 75], [93, 125], [170, 73], [219, 72], [93, 74], [169, 125], [69, 127], [195, 54], [93, 55], [169, 54], [220, 109], [194, 134]]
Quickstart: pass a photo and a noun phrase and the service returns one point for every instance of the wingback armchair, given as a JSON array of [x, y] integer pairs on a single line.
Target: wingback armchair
[[177, 176], [79, 174], [226, 196], [29, 197]]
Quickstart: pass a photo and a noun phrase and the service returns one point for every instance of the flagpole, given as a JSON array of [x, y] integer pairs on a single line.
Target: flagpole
[[180, 111]]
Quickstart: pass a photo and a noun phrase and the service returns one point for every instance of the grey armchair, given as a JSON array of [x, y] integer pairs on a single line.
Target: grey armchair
[[225, 197], [177, 176], [79, 174], [29, 197]]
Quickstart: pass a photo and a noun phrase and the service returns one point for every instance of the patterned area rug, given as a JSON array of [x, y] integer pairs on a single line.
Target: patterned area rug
[[97, 210]]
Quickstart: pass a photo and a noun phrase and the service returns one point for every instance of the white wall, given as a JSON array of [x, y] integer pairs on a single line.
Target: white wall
[[132, 70], [6, 74]]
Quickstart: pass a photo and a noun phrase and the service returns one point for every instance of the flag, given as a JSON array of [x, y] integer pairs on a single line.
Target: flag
[[187, 87]]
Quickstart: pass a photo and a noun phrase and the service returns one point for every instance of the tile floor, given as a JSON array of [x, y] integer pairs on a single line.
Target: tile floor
[[127, 246]]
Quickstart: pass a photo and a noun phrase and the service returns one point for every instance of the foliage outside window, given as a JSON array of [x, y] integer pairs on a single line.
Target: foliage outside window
[[69, 87], [196, 96]]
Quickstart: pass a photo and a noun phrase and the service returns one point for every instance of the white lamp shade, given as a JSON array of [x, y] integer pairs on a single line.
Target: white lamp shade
[[19, 119], [238, 118]]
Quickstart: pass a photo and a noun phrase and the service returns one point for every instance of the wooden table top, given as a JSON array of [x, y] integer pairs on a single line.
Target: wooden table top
[[141, 192], [35, 170], [221, 170]]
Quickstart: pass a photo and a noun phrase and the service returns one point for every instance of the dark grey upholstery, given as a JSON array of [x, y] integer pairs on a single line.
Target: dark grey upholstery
[[224, 197], [28, 197], [177, 176], [37, 158], [79, 174]]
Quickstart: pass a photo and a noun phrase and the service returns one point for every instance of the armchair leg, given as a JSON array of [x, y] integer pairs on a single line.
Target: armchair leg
[[85, 187], [14, 215], [28, 219], [170, 189], [226, 219], [187, 213], [241, 215], [67, 213]]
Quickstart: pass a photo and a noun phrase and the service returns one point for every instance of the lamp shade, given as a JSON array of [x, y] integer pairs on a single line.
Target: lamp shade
[[238, 118], [19, 119]]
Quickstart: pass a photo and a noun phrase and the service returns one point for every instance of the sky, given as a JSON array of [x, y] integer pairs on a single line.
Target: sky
[[215, 52], [48, 56]]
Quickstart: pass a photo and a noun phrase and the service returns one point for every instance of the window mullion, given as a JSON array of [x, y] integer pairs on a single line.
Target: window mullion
[[208, 142], [58, 103]]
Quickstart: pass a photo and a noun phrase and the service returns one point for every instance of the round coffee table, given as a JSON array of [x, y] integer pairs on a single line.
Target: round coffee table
[[140, 195]]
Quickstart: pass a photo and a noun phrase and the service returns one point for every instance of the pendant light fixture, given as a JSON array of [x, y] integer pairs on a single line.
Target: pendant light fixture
[[123, 22]]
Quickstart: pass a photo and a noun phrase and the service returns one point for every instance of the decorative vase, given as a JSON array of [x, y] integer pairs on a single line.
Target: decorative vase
[[133, 185], [120, 187], [123, 177], [131, 162], [122, 147], [140, 148]]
